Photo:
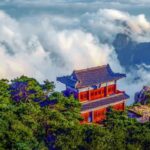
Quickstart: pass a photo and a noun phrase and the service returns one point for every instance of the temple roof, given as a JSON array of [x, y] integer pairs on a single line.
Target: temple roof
[[104, 102], [91, 76]]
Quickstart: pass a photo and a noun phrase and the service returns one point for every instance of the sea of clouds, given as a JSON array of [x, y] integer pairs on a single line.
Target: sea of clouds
[[46, 39]]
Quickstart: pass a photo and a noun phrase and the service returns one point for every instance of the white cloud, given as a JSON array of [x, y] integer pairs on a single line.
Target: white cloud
[[46, 46], [45, 52], [112, 21]]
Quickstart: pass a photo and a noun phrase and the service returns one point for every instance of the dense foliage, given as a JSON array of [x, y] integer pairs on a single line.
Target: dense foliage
[[147, 94], [28, 122]]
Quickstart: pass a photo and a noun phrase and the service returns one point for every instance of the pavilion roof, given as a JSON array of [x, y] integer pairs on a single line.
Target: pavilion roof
[[91, 76]]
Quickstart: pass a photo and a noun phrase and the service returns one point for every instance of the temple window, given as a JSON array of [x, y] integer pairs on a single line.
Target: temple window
[[92, 94]]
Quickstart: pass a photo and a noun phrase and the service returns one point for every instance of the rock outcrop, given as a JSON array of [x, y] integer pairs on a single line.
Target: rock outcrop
[[141, 97]]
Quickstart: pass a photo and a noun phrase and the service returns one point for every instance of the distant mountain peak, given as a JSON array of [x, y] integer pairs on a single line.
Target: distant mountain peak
[[131, 53], [122, 40]]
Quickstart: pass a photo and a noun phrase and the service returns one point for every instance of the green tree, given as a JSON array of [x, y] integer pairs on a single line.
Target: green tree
[[127, 132], [26, 125], [96, 137], [64, 129], [48, 87], [21, 123], [26, 89]]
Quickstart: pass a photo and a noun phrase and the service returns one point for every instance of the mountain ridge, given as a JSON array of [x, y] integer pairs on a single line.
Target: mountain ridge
[[131, 53]]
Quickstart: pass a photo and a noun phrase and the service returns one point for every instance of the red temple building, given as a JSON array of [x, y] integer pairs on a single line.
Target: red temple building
[[96, 89]]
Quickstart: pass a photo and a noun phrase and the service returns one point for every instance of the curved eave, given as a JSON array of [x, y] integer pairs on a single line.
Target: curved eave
[[66, 80], [104, 102]]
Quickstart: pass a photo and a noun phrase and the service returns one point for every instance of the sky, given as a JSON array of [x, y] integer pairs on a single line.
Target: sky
[[49, 38]]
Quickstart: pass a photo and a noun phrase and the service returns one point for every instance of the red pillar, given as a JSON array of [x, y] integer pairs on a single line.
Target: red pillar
[[79, 96], [123, 105], [89, 95], [106, 90], [115, 86]]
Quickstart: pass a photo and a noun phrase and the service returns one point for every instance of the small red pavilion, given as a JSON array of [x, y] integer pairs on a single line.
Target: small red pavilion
[[96, 89]]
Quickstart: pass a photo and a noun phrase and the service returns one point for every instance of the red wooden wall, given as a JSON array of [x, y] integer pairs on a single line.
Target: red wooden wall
[[99, 115], [92, 94], [97, 93], [111, 89], [83, 96], [120, 106], [85, 117]]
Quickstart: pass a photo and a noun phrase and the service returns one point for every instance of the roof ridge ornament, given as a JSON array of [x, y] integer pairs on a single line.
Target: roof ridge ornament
[[91, 68]]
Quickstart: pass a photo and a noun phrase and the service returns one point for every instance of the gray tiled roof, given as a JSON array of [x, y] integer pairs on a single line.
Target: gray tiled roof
[[108, 101], [90, 76]]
